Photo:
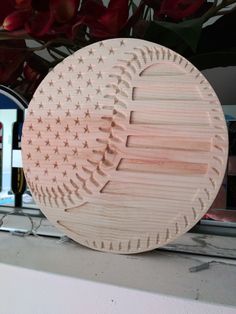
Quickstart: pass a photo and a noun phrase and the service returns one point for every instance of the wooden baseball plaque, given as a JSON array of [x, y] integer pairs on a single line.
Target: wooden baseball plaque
[[124, 146]]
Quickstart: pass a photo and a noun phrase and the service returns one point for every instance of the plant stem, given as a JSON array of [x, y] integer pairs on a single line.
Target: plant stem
[[59, 52], [4, 35], [145, 14], [60, 41], [51, 54], [224, 12]]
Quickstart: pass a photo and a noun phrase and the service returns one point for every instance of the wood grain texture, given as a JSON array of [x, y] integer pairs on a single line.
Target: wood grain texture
[[124, 146]]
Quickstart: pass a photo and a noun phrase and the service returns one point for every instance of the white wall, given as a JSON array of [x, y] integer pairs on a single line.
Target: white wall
[[24, 291]]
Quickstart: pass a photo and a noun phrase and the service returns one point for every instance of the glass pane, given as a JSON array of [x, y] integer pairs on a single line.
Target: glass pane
[[18, 183], [7, 118], [1, 130], [223, 209]]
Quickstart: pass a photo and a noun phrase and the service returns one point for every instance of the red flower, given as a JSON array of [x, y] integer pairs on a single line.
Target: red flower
[[12, 55], [42, 17], [23, 4], [104, 22], [64, 10], [15, 20], [6, 7], [178, 10], [39, 24]]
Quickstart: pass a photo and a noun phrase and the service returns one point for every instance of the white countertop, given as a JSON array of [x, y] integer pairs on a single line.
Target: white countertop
[[159, 273]]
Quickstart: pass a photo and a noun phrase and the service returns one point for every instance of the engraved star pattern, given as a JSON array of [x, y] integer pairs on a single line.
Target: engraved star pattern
[[61, 111]]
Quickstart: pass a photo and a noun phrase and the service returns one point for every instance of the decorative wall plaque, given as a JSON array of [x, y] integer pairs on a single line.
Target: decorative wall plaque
[[124, 146]]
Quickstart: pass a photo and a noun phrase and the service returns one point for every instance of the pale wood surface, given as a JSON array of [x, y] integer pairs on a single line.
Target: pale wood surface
[[124, 146]]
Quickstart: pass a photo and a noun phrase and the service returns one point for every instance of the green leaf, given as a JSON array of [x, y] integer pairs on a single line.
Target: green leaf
[[178, 36], [133, 6]]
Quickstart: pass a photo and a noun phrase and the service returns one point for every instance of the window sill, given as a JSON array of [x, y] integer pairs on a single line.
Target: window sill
[[194, 243]]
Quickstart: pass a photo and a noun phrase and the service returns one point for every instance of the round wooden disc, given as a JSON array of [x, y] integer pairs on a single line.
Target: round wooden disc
[[124, 146]]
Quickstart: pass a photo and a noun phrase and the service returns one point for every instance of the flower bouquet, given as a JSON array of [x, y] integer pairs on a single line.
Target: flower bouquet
[[36, 35]]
